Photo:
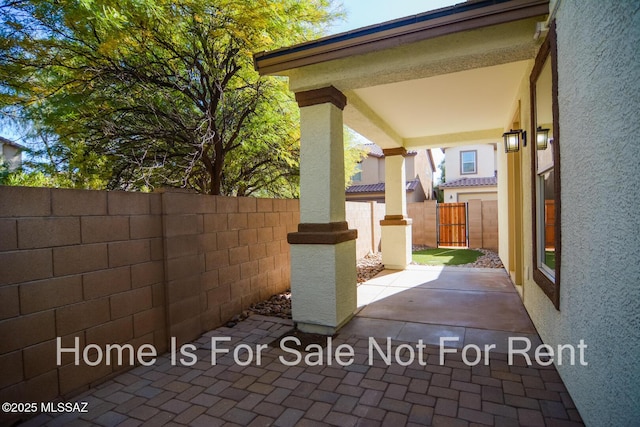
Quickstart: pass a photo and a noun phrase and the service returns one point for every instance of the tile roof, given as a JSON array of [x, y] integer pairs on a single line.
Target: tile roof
[[378, 188], [471, 182], [374, 150]]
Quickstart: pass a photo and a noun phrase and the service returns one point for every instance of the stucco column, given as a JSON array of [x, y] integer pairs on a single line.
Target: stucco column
[[323, 250], [396, 227]]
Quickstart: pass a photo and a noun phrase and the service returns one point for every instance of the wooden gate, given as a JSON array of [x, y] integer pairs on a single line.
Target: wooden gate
[[452, 220]]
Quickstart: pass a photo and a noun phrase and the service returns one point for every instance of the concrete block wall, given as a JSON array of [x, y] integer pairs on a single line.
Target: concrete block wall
[[475, 231], [84, 264], [490, 225], [366, 217], [221, 255], [423, 215], [118, 268]]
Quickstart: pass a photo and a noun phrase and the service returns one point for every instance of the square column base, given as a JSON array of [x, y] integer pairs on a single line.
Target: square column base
[[323, 286], [396, 246]]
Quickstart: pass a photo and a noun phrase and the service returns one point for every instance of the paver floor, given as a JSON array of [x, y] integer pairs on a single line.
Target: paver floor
[[381, 386]]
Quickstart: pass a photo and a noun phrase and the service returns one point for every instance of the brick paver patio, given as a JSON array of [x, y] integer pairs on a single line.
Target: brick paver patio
[[365, 393]]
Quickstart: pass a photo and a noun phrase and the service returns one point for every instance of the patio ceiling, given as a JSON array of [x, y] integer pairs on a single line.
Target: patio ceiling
[[443, 78], [477, 101]]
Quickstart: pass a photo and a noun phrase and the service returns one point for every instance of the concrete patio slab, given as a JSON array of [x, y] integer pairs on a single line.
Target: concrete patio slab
[[462, 297], [484, 310]]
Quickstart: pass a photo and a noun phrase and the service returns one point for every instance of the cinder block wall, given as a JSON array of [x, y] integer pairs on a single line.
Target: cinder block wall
[[423, 216], [86, 264], [490, 225], [221, 255], [117, 267], [366, 217]]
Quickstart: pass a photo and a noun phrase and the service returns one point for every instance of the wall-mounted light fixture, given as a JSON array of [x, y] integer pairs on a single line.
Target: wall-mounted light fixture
[[542, 138], [512, 140]]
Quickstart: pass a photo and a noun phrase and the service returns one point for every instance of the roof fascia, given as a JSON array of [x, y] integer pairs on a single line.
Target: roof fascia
[[463, 17]]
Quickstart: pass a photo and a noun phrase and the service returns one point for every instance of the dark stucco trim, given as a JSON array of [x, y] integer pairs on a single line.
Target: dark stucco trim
[[321, 96], [322, 234]]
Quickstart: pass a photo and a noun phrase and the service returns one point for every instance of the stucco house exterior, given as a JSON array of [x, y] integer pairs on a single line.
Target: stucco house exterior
[[468, 74], [11, 153], [368, 183], [470, 173]]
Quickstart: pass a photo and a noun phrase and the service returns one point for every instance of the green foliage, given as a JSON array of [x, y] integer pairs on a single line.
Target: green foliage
[[439, 191], [354, 153], [137, 94], [442, 168], [550, 258]]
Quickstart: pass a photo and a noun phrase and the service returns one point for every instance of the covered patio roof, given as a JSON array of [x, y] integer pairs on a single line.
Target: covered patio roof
[[442, 78]]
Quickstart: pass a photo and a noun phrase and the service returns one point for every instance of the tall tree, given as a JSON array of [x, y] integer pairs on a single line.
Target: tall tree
[[354, 153], [158, 92]]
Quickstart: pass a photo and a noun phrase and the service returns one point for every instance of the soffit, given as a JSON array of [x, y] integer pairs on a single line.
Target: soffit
[[466, 101]]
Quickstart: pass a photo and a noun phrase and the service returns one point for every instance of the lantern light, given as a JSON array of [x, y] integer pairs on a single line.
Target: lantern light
[[542, 138], [512, 140]]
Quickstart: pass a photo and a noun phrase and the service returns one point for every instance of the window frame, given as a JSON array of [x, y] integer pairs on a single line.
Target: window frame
[[475, 162], [550, 286]]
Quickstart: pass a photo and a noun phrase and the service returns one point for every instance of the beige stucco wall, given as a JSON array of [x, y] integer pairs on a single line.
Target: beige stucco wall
[[521, 104], [416, 195], [416, 166], [464, 194], [503, 208], [422, 169], [598, 76], [485, 161], [372, 171], [11, 155]]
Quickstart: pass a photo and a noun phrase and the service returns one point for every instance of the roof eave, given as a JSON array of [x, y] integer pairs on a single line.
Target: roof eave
[[12, 144], [463, 17]]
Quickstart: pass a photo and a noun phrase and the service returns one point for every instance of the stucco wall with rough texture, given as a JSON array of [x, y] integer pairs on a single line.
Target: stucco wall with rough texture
[[599, 103]]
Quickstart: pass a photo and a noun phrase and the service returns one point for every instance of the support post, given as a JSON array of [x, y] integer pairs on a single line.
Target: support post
[[396, 226], [323, 250]]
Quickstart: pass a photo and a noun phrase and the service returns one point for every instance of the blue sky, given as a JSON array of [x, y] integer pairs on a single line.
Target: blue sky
[[361, 13]]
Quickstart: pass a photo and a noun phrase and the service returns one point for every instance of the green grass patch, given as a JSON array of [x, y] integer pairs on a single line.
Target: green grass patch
[[442, 256], [550, 258]]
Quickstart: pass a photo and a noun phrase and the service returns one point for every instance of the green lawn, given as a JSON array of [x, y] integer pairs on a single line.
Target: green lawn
[[442, 256], [550, 258]]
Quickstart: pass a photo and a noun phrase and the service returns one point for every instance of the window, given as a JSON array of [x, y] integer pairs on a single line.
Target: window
[[468, 164], [545, 166], [357, 176]]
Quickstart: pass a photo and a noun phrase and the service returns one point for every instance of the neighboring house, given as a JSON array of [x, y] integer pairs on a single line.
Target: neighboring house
[[470, 173], [11, 153], [368, 183]]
